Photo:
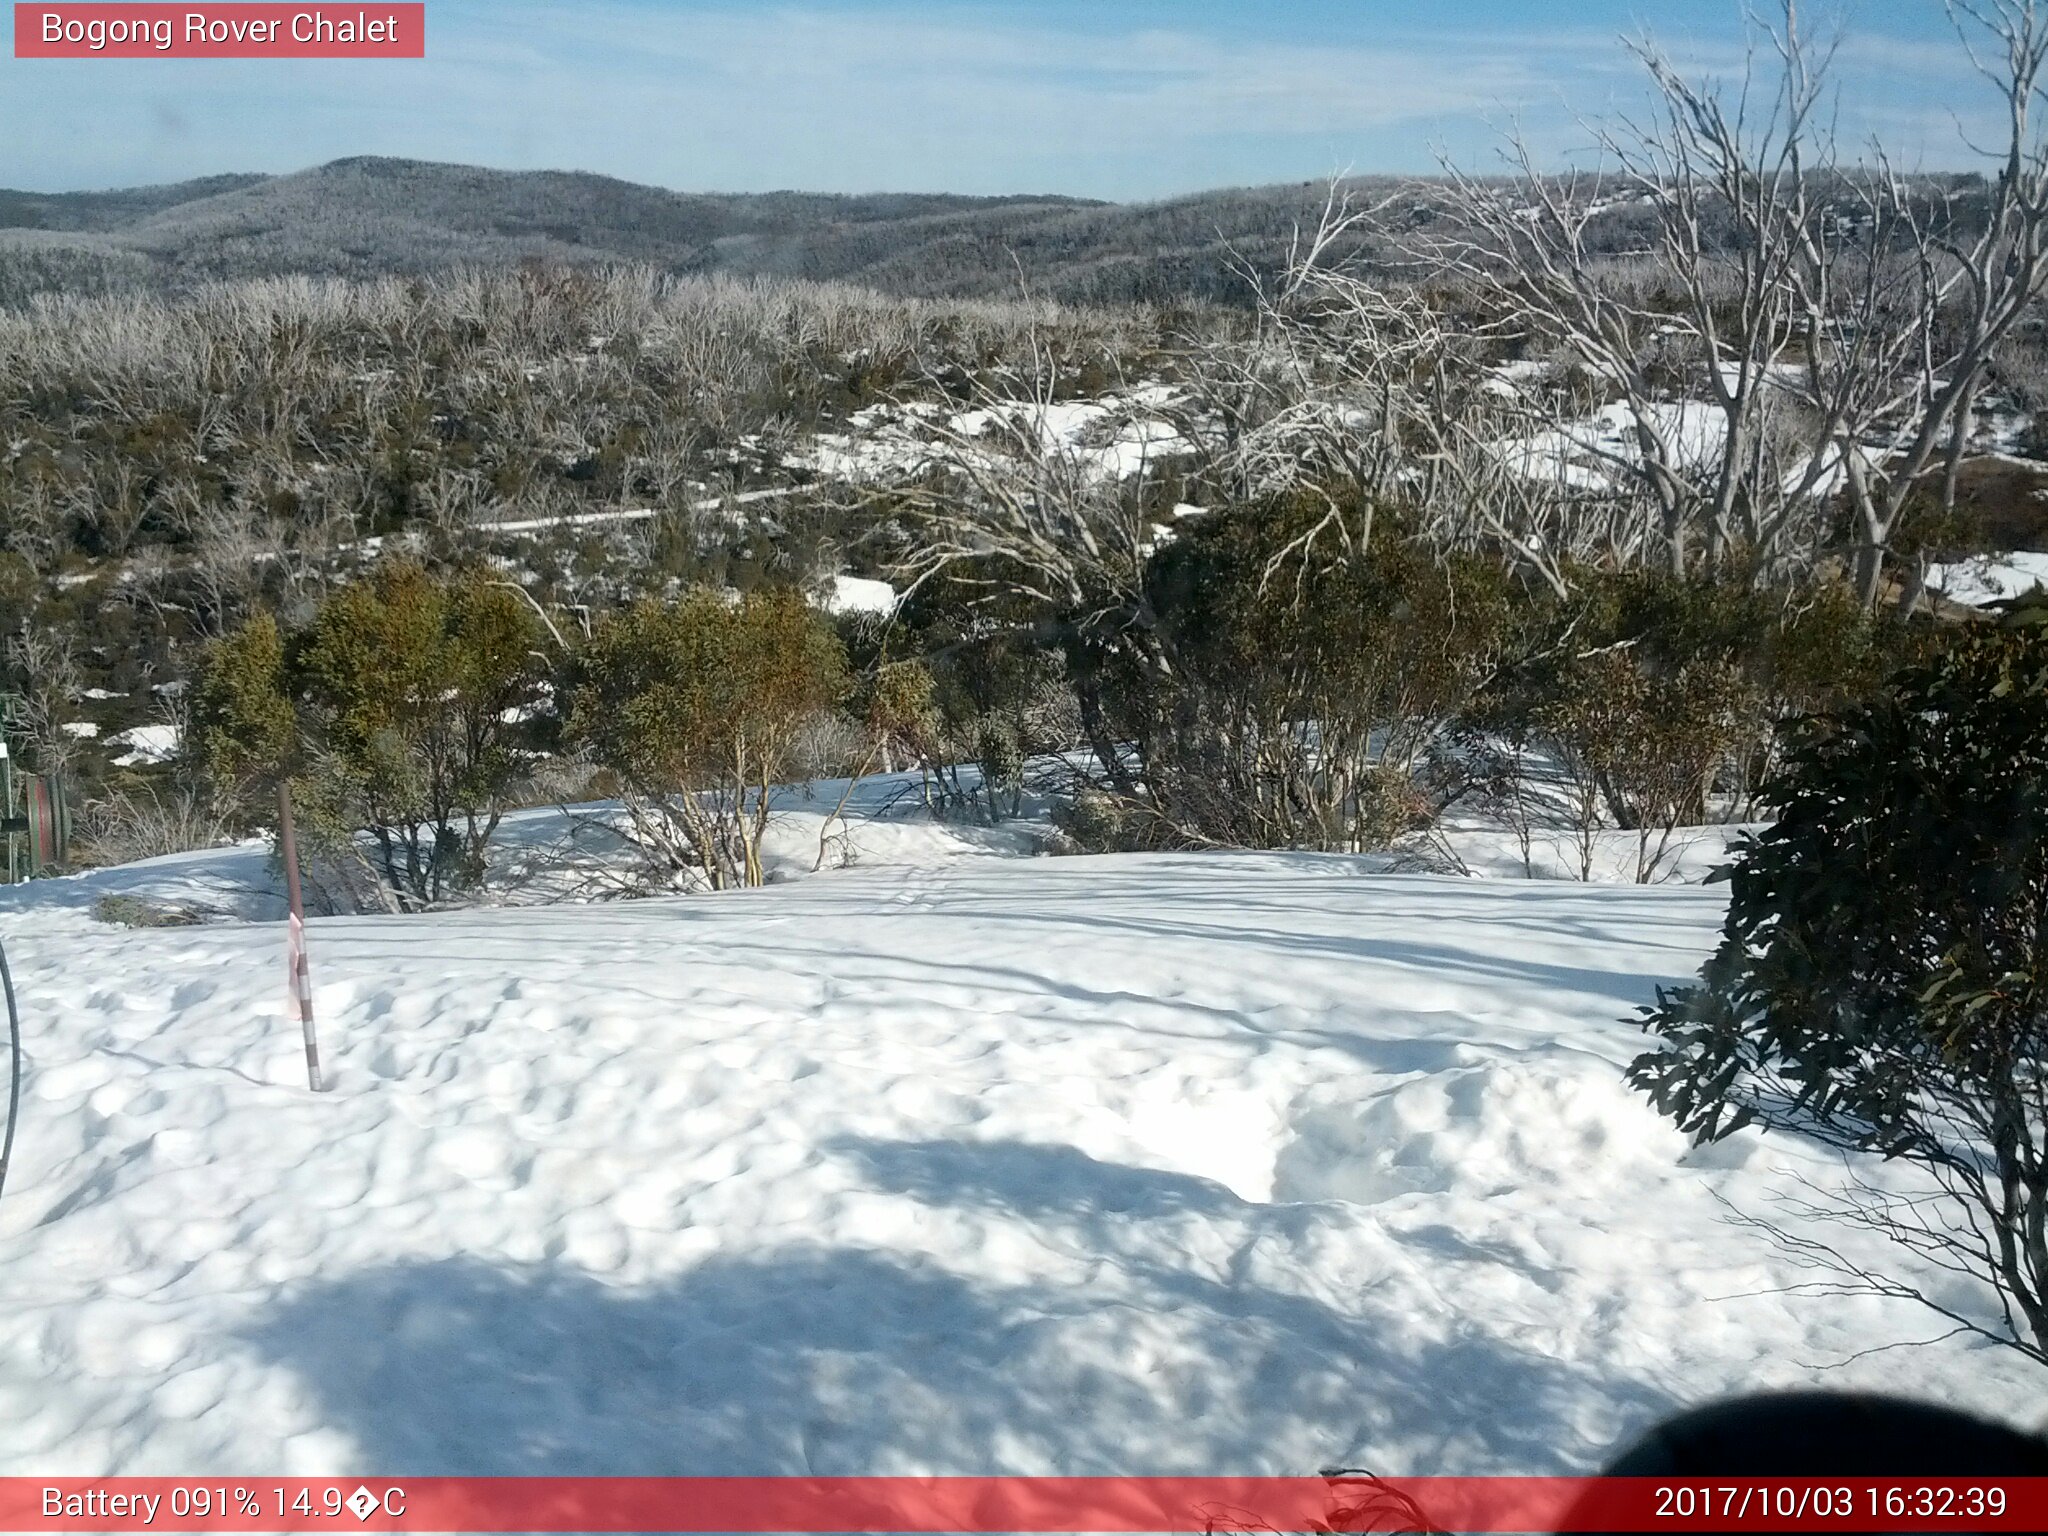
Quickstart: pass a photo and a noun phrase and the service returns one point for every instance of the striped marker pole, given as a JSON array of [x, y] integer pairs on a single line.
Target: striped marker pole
[[298, 976]]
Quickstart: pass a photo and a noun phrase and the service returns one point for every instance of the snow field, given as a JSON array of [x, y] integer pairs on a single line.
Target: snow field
[[1136, 1164]]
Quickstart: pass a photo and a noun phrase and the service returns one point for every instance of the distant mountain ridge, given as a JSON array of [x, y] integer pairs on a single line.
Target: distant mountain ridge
[[372, 215], [108, 210]]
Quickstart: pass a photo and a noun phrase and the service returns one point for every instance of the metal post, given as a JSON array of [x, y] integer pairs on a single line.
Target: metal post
[[7, 807], [10, 709], [300, 977]]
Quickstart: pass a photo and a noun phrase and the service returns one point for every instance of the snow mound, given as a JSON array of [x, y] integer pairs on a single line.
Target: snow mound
[[1480, 1132]]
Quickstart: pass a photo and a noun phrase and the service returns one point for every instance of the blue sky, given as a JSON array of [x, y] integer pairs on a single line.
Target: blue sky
[[1122, 99]]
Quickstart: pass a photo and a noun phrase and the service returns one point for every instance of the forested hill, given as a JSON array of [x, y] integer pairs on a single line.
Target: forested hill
[[365, 216]]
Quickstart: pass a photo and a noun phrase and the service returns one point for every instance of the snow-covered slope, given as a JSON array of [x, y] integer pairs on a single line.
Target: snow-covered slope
[[1160, 1163]]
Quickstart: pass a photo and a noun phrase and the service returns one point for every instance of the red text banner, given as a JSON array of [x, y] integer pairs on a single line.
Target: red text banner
[[220, 31], [1023, 1504]]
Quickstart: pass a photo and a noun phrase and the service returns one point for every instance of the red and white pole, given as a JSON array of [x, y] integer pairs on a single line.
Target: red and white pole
[[298, 976]]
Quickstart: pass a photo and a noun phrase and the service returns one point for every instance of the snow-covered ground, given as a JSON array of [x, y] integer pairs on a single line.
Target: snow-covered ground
[[856, 594], [1988, 579], [1596, 454], [145, 744], [553, 854], [944, 1162], [1603, 452], [1114, 436]]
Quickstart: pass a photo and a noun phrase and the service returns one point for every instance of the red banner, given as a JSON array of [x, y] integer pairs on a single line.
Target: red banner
[[1024, 1504], [234, 31]]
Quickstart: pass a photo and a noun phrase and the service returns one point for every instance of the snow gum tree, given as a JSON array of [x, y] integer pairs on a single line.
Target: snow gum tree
[[1882, 977], [1833, 321]]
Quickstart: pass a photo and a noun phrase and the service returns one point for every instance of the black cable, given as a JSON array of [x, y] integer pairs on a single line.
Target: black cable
[[13, 1069]]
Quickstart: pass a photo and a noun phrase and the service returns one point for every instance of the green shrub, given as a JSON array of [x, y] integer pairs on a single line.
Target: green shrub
[[1292, 690], [1882, 977], [993, 696], [1099, 821], [999, 754], [243, 726], [398, 711], [699, 708], [1656, 696]]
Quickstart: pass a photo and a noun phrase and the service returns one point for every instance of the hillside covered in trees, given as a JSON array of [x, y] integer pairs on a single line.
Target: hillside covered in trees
[[369, 217]]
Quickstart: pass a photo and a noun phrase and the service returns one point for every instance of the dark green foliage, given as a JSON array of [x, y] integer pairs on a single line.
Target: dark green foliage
[[998, 701], [1882, 979], [1655, 697], [991, 694], [1797, 649], [999, 754], [1279, 691]]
